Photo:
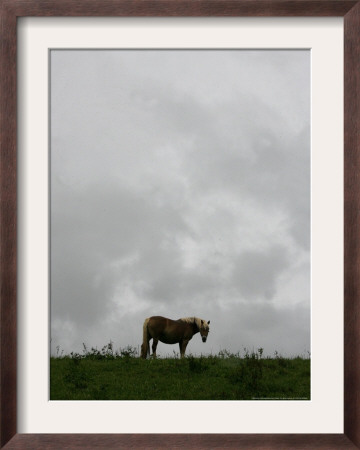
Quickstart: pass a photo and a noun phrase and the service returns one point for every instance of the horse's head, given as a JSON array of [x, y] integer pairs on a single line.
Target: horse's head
[[204, 329]]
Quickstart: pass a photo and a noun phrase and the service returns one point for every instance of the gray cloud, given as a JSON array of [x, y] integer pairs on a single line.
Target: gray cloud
[[251, 267], [180, 185]]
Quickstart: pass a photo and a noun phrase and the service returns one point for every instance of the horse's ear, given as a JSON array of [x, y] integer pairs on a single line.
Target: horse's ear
[[208, 322], [202, 321]]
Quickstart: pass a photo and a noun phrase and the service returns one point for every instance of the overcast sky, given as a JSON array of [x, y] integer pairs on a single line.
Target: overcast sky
[[180, 186]]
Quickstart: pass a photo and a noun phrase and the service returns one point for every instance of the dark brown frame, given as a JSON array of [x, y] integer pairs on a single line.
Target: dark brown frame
[[10, 11]]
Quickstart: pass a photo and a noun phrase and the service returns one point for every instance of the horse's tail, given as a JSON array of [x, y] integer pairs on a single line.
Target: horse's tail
[[145, 350]]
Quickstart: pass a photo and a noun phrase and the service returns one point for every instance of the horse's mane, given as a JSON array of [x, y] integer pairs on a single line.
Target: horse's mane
[[192, 320]]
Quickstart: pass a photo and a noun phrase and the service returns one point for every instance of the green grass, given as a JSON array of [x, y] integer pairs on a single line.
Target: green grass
[[108, 375]]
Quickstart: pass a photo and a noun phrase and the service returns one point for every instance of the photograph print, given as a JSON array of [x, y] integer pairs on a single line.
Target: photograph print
[[180, 224]]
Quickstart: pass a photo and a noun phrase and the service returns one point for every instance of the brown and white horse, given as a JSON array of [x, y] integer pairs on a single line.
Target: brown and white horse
[[170, 331]]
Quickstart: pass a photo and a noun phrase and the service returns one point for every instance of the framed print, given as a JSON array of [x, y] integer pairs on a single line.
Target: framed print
[[197, 57]]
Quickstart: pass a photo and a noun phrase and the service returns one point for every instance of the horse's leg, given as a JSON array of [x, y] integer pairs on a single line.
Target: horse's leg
[[154, 345], [183, 345]]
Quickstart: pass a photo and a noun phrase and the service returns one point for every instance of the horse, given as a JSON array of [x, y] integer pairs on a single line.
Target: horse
[[171, 331]]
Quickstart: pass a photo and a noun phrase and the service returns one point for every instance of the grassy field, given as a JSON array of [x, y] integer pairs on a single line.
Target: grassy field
[[108, 375]]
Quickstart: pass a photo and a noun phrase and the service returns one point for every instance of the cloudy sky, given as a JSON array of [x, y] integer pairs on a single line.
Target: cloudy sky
[[180, 186]]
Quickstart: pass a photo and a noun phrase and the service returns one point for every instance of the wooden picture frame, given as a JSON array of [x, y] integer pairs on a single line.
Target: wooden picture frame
[[10, 11]]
